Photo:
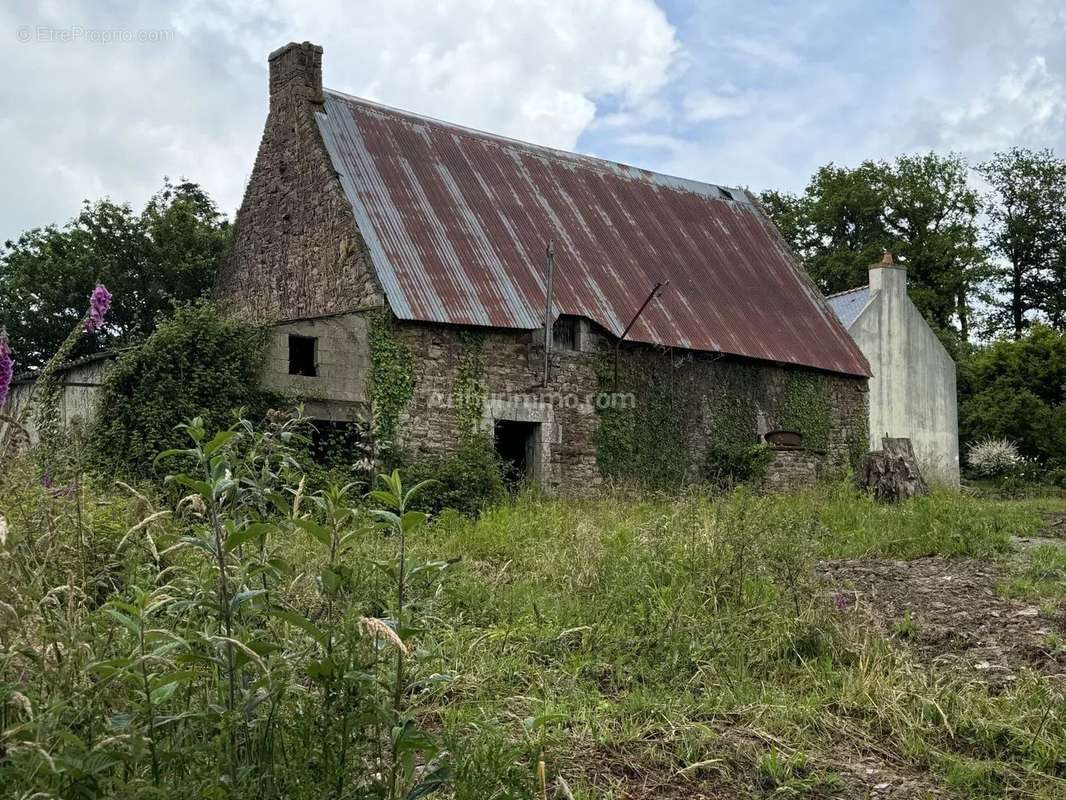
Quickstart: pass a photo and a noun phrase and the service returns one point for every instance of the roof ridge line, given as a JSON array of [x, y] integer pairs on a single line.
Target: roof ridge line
[[848, 291], [734, 193]]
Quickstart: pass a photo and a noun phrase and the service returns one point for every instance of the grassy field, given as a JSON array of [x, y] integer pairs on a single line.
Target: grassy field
[[622, 646]]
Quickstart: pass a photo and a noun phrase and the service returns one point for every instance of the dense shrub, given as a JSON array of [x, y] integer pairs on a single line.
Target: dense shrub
[[467, 481], [992, 458], [727, 465], [196, 364]]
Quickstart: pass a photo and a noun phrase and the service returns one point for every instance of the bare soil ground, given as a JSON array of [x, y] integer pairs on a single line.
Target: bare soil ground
[[956, 618]]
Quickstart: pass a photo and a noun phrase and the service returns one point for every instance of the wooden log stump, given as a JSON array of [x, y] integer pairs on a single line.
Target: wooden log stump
[[891, 474]]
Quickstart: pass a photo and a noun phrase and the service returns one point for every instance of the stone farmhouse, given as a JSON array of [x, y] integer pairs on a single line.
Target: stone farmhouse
[[403, 265], [912, 388]]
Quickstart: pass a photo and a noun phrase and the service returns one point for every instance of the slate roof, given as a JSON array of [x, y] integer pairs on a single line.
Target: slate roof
[[849, 304]]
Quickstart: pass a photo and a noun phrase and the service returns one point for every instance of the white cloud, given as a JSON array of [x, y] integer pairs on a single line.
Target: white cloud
[[1025, 106], [706, 106], [84, 120]]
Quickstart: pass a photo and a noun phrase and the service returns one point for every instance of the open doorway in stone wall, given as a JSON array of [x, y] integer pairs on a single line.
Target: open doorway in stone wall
[[523, 430], [516, 445]]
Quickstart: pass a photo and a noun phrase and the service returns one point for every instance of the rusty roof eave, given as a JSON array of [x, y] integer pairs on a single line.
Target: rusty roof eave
[[456, 221]]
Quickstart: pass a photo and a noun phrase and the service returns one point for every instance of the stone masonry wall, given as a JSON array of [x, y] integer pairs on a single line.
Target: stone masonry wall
[[296, 251], [793, 469], [338, 392], [512, 366]]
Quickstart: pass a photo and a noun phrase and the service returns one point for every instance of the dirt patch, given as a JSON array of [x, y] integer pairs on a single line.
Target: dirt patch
[[948, 613], [1054, 526], [852, 768]]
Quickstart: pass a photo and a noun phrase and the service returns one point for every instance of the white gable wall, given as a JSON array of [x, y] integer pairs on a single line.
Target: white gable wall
[[912, 391]]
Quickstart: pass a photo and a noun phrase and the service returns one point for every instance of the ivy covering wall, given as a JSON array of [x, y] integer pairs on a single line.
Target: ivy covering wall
[[391, 379], [646, 431], [469, 392], [691, 420], [808, 409]]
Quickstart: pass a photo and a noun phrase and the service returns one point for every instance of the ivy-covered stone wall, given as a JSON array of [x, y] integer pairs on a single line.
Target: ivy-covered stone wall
[[656, 425], [688, 407]]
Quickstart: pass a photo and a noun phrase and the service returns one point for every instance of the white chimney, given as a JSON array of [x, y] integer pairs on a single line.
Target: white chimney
[[888, 277]]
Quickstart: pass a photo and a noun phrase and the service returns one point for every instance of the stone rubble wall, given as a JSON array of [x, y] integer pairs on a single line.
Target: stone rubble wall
[[512, 376], [296, 250]]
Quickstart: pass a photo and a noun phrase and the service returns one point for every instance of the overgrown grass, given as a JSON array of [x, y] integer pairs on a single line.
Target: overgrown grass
[[633, 644]]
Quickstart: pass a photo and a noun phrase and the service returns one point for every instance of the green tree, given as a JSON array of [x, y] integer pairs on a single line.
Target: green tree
[[1017, 389], [164, 255], [919, 207], [836, 226], [931, 216], [1027, 231]]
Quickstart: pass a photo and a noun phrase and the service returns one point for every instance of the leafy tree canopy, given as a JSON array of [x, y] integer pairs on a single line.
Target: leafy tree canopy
[[919, 207], [1017, 389], [166, 254], [1027, 233]]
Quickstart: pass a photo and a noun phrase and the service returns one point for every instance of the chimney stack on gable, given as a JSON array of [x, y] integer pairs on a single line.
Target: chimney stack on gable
[[888, 276], [296, 72]]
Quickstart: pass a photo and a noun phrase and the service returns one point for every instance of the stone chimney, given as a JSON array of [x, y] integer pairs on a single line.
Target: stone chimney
[[296, 72], [888, 276]]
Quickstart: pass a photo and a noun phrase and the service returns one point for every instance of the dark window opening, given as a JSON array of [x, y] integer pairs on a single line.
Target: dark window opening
[[728, 195], [303, 352], [516, 444], [564, 333]]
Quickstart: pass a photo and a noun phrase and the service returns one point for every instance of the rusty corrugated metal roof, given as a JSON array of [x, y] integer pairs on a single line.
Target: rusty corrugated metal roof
[[457, 221]]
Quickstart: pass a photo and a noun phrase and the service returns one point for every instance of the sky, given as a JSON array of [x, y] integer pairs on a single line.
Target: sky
[[106, 98]]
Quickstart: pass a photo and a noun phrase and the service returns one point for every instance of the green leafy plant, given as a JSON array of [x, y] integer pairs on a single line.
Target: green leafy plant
[[407, 739], [468, 480], [196, 364], [391, 383], [725, 466]]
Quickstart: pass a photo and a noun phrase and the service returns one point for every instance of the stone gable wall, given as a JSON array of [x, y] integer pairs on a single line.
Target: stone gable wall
[[296, 251]]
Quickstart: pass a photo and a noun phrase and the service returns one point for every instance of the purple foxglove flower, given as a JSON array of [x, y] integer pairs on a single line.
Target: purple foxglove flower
[[7, 367], [99, 302]]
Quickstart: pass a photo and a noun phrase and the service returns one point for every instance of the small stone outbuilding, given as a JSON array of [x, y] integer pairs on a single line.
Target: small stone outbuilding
[[402, 263]]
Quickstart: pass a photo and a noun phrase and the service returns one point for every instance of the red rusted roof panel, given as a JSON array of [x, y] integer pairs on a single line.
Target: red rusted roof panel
[[457, 222]]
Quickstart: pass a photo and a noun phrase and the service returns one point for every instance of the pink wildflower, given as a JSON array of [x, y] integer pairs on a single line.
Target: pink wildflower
[[99, 302], [7, 367], [840, 601]]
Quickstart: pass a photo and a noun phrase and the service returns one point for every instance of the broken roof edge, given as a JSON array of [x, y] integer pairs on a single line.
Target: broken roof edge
[[713, 191]]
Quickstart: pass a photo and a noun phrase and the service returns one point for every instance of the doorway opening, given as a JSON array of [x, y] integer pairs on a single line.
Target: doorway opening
[[516, 445]]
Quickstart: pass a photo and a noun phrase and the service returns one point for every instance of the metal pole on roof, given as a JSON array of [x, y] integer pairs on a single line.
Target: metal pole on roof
[[632, 322], [550, 257]]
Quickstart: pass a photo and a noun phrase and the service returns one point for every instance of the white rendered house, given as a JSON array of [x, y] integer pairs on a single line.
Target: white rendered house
[[912, 391]]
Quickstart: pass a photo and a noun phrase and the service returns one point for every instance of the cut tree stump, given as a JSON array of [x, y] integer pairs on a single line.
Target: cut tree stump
[[891, 474]]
